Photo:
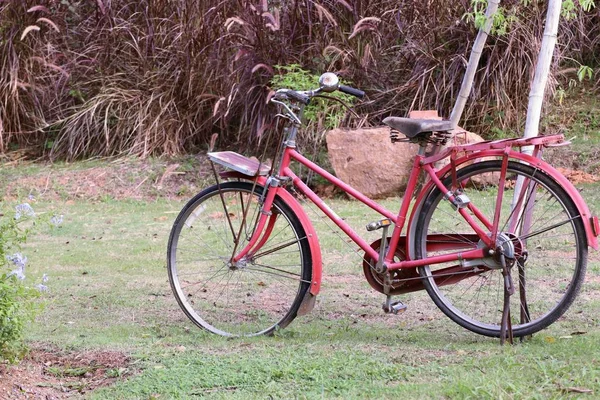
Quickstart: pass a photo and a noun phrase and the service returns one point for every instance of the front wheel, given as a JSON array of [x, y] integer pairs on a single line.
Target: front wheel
[[546, 235], [254, 296]]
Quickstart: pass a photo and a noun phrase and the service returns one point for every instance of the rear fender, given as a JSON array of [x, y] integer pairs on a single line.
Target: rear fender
[[589, 220], [313, 240]]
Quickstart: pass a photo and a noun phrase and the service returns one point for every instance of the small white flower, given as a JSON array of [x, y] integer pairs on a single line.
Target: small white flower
[[18, 259], [24, 210], [56, 220], [19, 273], [45, 278], [41, 288]]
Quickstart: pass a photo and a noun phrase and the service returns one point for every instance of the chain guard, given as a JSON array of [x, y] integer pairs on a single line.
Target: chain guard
[[399, 284]]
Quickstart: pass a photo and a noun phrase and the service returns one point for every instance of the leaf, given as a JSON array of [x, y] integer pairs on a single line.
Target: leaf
[[29, 29], [49, 22], [216, 107], [585, 72], [574, 389], [549, 339]]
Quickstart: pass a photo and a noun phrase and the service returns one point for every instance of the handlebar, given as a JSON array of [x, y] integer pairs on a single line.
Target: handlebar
[[352, 91], [329, 82], [302, 97]]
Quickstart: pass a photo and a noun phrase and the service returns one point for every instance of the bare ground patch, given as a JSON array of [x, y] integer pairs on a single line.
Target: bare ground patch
[[349, 296], [51, 374], [117, 179]]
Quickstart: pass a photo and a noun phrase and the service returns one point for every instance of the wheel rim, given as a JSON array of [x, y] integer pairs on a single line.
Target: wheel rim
[[252, 297], [551, 273]]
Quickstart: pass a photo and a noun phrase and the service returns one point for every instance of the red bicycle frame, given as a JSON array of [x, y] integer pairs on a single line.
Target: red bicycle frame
[[459, 156]]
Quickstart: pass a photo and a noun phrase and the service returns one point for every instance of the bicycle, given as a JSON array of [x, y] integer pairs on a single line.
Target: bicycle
[[244, 258]]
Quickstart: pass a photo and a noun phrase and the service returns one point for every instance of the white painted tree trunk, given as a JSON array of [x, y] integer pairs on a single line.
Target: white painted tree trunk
[[467, 83], [542, 70], [536, 94]]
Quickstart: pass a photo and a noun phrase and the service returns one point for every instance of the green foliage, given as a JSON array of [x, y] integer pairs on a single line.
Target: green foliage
[[584, 72], [503, 18], [323, 114], [569, 8], [17, 308]]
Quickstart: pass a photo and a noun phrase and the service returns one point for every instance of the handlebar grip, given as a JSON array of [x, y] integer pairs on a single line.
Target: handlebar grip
[[298, 96], [352, 91]]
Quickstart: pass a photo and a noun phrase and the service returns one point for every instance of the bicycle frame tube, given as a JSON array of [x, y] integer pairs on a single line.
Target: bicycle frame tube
[[480, 232], [285, 171]]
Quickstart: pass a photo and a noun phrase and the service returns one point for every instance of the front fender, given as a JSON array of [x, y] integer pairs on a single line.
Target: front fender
[[587, 217], [313, 240]]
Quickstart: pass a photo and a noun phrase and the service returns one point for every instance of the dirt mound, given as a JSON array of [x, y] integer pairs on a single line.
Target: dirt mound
[[51, 374], [576, 176]]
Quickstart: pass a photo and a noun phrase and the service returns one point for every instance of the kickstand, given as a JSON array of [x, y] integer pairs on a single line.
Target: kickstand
[[506, 331], [525, 316]]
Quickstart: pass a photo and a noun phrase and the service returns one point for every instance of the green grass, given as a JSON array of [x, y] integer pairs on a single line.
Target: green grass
[[579, 121], [109, 291]]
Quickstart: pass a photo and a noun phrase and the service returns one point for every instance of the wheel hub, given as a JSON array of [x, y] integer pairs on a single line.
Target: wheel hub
[[507, 244], [240, 264]]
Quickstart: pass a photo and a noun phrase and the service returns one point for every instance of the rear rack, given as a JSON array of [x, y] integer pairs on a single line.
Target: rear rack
[[545, 141]]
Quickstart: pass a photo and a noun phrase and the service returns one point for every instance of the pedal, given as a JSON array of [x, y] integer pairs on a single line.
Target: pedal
[[395, 308], [373, 226], [398, 307]]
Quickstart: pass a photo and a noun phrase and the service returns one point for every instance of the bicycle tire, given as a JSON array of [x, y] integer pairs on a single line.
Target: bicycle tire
[[555, 264], [255, 297]]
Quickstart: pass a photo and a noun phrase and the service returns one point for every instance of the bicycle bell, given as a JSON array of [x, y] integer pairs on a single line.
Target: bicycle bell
[[329, 82]]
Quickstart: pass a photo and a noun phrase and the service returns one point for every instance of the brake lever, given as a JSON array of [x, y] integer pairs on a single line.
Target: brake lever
[[290, 114]]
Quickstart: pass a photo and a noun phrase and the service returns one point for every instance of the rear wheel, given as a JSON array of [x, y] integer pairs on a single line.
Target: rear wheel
[[255, 296], [548, 240]]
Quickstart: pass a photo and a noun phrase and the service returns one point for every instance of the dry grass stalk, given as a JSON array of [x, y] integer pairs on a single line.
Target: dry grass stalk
[[130, 77]]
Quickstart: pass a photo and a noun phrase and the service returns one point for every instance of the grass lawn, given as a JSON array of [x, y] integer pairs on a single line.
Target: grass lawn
[[109, 291]]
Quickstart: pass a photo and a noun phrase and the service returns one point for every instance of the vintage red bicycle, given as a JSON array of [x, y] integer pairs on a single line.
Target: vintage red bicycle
[[494, 230]]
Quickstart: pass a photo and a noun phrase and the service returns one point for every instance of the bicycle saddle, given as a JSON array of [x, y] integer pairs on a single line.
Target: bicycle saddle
[[411, 127]]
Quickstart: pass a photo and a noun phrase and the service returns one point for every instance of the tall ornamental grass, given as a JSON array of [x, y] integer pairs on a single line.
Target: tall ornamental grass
[[85, 78]]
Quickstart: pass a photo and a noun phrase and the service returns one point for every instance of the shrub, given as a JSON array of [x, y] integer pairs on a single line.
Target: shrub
[[17, 306]]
